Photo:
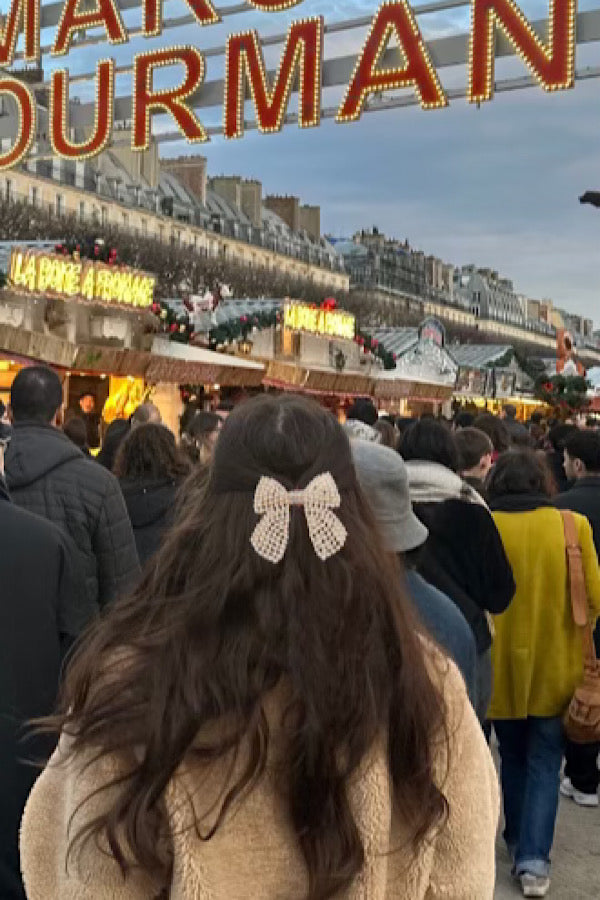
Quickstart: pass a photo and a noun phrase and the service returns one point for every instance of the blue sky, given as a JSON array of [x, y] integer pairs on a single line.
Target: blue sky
[[497, 186]]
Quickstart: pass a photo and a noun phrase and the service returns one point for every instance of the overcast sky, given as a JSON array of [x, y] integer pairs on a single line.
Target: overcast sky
[[497, 186]]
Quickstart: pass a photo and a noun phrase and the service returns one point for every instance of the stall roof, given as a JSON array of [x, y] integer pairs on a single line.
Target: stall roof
[[397, 340], [175, 350], [478, 356]]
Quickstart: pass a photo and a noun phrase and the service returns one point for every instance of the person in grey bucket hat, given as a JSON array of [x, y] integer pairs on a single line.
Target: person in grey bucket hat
[[383, 478]]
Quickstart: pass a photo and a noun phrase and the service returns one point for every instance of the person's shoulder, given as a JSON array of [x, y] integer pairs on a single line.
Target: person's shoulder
[[448, 680], [34, 528]]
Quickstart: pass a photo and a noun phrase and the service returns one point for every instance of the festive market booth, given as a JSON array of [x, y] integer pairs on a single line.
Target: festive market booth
[[95, 322], [424, 376], [492, 375], [320, 351]]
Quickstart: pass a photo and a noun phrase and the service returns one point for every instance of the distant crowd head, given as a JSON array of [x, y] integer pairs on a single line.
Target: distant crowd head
[[36, 395]]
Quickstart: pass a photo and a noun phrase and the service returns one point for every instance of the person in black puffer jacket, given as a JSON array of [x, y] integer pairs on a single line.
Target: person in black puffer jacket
[[463, 556], [150, 469], [48, 475]]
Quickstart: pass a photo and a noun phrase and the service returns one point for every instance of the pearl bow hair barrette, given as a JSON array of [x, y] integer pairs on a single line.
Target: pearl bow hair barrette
[[272, 501]]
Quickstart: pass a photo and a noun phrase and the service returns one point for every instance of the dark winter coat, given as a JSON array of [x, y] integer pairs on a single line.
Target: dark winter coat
[[584, 498], [43, 607], [150, 506], [48, 475], [464, 558]]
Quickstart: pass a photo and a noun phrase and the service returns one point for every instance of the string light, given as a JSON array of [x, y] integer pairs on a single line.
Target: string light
[[30, 10], [152, 15], [103, 113], [392, 19], [26, 118], [145, 99], [62, 276], [553, 67], [244, 61], [105, 14], [274, 5]]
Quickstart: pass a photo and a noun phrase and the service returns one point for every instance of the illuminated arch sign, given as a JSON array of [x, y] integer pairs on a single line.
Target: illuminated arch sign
[[498, 27], [35, 272]]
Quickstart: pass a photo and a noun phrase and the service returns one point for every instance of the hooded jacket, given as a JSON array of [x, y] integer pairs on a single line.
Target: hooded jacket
[[463, 556], [48, 475], [255, 855], [43, 607], [149, 504]]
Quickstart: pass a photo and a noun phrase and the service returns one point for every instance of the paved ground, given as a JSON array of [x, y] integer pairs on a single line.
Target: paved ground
[[575, 858]]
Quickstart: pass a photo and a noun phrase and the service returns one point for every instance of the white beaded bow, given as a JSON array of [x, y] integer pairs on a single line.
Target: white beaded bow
[[272, 501]]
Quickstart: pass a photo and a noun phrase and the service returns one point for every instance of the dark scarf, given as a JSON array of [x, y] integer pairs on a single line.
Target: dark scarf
[[4, 495], [519, 502]]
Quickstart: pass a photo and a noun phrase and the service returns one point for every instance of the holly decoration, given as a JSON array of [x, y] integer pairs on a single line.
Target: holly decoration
[[565, 393], [176, 325], [240, 327], [372, 345], [86, 248]]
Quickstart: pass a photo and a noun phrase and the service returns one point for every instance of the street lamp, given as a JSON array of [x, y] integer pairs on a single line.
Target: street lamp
[[591, 197]]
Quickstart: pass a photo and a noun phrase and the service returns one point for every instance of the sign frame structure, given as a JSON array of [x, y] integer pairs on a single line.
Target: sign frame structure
[[329, 323], [36, 272], [498, 28]]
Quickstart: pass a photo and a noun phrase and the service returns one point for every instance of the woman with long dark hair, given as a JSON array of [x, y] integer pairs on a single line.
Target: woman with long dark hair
[[260, 719], [538, 657], [150, 469]]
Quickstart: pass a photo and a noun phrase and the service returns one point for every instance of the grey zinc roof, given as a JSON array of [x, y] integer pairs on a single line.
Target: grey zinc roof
[[220, 206], [349, 248], [478, 356]]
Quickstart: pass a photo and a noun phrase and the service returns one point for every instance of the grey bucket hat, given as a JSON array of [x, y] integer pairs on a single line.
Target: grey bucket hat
[[383, 478]]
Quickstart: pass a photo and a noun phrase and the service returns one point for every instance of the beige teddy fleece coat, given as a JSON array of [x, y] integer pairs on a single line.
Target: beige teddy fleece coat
[[254, 855]]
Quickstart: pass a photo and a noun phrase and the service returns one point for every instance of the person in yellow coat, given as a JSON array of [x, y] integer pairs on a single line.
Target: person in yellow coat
[[537, 658]]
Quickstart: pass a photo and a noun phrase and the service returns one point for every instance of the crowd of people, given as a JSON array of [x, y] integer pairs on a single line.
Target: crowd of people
[[268, 658]]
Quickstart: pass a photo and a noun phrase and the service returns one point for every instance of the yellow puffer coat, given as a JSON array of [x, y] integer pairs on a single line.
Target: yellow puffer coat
[[537, 652]]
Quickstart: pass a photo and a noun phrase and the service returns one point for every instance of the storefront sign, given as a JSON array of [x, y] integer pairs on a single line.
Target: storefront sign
[[328, 322], [301, 68], [50, 273]]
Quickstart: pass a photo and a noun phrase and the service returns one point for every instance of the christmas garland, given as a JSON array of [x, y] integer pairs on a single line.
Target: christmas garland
[[372, 345], [566, 393], [176, 324], [240, 327]]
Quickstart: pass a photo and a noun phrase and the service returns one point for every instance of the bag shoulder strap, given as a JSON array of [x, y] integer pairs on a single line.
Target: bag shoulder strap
[[577, 586]]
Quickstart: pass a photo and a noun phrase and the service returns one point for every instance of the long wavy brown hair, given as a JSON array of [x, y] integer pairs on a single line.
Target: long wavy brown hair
[[213, 628]]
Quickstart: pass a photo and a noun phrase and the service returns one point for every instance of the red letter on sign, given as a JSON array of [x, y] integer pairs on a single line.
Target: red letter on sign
[[203, 10], [145, 99], [303, 49], [26, 117], [30, 11], [59, 113], [392, 19], [105, 14], [553, 67]]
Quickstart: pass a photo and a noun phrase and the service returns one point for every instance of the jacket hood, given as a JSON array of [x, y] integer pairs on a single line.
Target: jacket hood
[[34, 451], [148, 501]]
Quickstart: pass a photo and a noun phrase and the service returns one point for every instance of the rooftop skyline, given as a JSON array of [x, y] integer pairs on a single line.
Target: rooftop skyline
[[496, 186]]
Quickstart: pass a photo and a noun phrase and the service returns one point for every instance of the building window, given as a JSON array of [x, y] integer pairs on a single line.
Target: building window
[[60, 205], [9, 189], [125, 220], [82, 210], [34, 196]]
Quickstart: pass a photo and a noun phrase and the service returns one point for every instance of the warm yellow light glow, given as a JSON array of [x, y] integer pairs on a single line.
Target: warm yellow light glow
[[49, 273], [334, 323]]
